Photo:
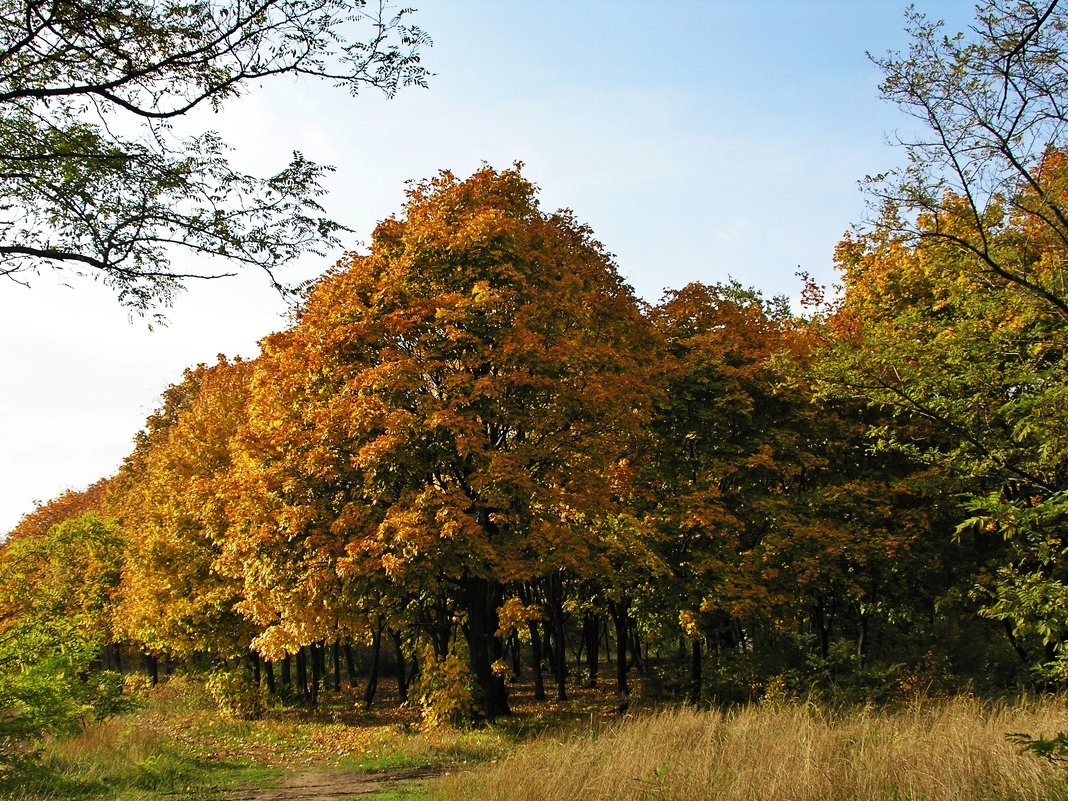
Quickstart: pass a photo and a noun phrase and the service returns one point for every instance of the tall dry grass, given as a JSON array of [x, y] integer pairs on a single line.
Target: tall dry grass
[[952, 750]]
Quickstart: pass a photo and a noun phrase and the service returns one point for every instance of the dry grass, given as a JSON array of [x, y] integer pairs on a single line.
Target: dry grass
[[954, 750]]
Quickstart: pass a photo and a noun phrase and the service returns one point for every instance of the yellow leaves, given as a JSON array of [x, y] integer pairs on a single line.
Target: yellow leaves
[[513, 614], [688, 623]]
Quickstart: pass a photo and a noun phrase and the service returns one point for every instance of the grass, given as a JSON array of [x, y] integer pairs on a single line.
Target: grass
[[954, 750], [177, 745]]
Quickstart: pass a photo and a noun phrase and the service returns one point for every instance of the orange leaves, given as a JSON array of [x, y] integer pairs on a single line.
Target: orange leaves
[[451, 393]]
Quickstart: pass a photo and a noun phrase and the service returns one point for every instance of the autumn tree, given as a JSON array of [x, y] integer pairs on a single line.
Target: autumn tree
[[972, 366], [778, 518], [450, 409], [68, 504], [171, 499], [991, 114], [96, 181], [952, 317]]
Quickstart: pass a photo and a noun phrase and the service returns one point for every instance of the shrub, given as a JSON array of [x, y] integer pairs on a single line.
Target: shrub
[[444, 692], [237, 694]]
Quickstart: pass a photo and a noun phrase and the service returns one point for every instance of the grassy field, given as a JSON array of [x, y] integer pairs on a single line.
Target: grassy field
[[178, 746], [952, 750]]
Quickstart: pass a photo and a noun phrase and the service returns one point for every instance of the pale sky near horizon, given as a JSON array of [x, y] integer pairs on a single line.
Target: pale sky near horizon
[[699, 140]]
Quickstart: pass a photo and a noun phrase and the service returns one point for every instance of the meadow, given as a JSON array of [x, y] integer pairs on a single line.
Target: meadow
[[178, 745]]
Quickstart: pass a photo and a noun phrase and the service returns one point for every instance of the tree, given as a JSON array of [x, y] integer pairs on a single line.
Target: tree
[[57, 602], [70, 503], [170, 498], [778, 518], [993, 115], [93, 178], [452, 408], [973, 370]]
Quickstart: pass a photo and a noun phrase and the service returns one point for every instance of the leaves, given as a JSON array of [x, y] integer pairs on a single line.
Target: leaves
[[95, 180]]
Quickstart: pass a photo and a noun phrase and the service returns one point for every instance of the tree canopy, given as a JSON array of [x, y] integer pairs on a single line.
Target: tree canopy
[[94, 179]]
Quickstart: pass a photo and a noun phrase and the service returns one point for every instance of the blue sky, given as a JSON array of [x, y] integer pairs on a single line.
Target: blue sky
[[699, 140]]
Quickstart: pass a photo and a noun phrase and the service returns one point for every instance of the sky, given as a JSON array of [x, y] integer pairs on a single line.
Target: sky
[[701, 140]]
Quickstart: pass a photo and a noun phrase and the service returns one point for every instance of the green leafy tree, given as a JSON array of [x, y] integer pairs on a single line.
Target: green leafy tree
[[58, 594], [95, 180], [973, 369]]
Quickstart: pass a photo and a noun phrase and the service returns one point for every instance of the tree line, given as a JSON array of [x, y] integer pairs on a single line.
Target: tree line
[[476, 443]]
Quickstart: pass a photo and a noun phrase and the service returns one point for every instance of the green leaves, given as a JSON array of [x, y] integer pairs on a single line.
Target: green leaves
[[94, 180]]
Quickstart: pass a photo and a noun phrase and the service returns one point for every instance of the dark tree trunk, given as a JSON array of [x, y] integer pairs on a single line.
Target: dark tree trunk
[[337, 666], [268, 669], [695, 672], [823, 622], [515, 654], [316, 672], [482, 599], [863, 619], [620, 612], [402, 667], [152, 669], [254, 663], [287, 676], [302, 672], [556, 619], [636, 659], [350, 665], [436, 620], [591, 635], [535, 660], [372, 676]]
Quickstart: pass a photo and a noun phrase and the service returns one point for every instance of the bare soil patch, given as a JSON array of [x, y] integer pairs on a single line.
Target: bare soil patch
[[324, 785]]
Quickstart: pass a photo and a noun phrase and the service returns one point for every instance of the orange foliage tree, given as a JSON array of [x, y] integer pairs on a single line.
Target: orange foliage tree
[[777, 515], [68, 504], [449, 412], [170, 498]]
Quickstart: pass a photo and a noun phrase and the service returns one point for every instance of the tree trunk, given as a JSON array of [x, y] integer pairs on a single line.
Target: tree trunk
[[254, 663], [515, 654], [337, 666], [302, 672], [152, 669], [591, 635], [535, 660], [316, 673], [636, 659], [620, 612], [695, 672], [823, 623], [402, 668], [863, 618], [268, 669], [372, 677], [350, 665], [556, 617], [482, 599], [287, 676]]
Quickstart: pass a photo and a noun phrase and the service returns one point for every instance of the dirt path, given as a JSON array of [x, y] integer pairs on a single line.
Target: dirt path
[[319, 785]]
